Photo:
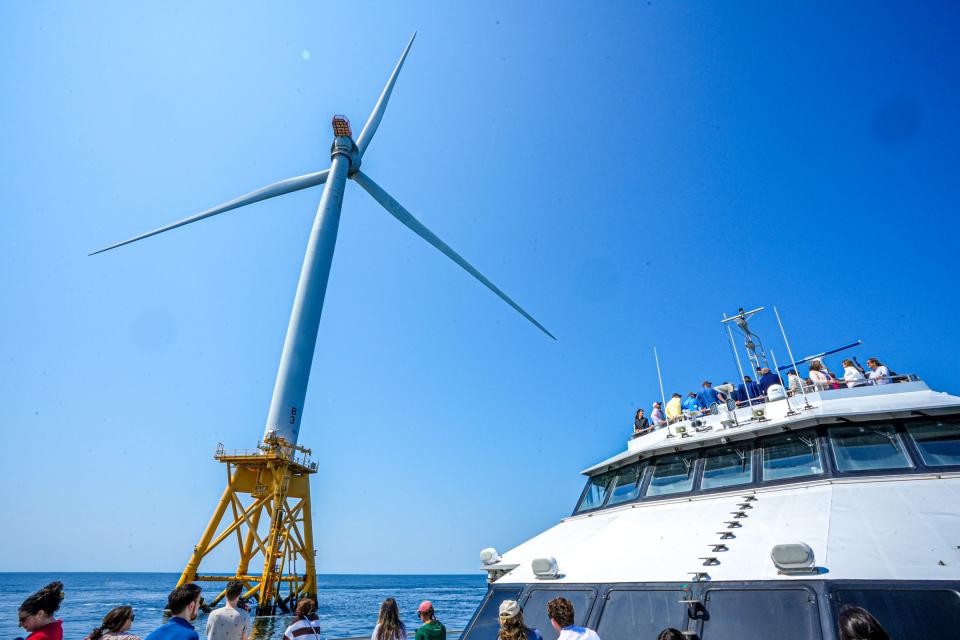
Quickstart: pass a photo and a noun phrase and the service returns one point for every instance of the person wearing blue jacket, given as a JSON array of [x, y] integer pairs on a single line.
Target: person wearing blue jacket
[[692, 402], [709, 396], [749, 390]]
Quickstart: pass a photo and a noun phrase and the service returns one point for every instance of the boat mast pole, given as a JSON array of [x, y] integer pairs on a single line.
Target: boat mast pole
[[290, 389], [736, 356], [786, 342], [663, 397]]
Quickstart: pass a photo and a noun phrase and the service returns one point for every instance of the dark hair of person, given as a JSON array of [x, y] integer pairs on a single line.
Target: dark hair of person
[[560, 610], [306, 610], [234, 589], [815, 366], [671, 634], [391, 627], [113, 621], [47, 599], [857, 624], [512, 628], [181, 597]]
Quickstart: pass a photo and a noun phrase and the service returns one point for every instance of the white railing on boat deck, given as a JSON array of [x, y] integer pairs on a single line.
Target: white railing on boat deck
[[819, 388]]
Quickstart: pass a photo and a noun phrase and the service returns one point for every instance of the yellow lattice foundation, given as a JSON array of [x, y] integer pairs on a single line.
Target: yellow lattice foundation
[[273, 483]]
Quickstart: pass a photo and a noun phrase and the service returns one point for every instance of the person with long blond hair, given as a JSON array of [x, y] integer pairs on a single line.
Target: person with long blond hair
[[389, 626], [512, 626]]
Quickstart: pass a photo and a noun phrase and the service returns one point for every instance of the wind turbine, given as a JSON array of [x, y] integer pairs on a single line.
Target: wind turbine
[[276, 465]]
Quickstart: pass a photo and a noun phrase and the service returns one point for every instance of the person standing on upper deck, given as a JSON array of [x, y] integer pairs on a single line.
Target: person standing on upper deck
[[820, 379], [851, 375], [674, 410], [794, 382], [657, 416], [692, 403], [709, 395], [640, 424], [749, 390], [879, 373], [767, 379]]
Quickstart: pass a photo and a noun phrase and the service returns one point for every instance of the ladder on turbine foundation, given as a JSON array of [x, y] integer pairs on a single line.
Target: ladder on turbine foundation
[[267, 488]]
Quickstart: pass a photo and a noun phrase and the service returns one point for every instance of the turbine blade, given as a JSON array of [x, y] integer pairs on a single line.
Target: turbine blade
[[270, 191], [400, 213], [376, 115]]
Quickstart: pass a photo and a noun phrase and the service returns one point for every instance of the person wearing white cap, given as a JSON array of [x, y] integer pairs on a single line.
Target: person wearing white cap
[[512, 626]]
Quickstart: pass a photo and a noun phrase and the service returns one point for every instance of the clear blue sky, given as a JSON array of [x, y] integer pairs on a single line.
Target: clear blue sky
[[627, 171]]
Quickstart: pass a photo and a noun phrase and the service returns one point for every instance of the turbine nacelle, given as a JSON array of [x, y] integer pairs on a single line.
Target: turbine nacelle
[[343, 143]]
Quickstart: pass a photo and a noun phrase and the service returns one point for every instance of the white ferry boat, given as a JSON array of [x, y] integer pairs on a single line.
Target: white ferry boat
[[759, 521]]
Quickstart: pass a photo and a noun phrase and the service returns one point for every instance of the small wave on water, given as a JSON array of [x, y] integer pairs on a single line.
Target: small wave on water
[[348, 604]]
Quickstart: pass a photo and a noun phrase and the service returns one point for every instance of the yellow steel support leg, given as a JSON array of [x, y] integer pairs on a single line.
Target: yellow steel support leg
[[190, 572]]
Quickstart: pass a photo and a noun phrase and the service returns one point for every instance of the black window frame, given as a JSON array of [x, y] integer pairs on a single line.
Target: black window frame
[[757, 442], [897, 429]]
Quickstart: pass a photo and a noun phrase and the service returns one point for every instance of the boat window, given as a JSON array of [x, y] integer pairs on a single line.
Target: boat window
[[634, 614], [672, 474], [938, 442], [785, 614], [486, 624], [625, 485], [535, 608], [727, 466], [791, 456], [907, 614], [596, 492], [868, 448]]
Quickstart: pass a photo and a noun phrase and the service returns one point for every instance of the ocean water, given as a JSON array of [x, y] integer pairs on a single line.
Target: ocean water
[[348, 604]]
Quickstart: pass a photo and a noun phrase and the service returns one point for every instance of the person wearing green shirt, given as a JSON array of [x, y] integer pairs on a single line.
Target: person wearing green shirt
[[432, 628]]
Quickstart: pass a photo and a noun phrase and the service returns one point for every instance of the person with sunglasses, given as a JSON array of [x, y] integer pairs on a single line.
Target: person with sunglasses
[[36, 613], [115, 625]]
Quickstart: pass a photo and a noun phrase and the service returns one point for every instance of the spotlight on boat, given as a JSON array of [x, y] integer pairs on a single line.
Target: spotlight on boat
[[793, 558], [545, 568], [489, 556], [759, 413]]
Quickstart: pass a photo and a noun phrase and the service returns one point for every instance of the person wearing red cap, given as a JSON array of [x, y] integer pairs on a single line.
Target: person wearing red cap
[[432, 628]]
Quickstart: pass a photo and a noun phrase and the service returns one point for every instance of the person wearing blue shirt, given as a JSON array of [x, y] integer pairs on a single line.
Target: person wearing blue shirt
[[768, 379], [709, 395], [184, 604], [692, 402], [749, 390]]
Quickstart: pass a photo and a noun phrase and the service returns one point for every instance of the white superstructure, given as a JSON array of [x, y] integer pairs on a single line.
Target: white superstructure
[[760, 519]]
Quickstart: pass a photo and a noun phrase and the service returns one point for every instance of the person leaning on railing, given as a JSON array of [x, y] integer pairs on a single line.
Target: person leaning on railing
[[640, 424], [879, 373], [852, 375]]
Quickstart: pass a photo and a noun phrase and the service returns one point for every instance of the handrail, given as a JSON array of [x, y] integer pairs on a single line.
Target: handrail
[[825, 387]]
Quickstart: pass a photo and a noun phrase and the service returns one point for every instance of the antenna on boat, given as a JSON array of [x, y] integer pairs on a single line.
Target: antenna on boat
[[751, 341], [663, 397], [793, 362], [736, 356]]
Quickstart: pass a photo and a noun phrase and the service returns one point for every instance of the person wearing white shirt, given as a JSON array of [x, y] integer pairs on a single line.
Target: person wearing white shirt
[[852, 375], [879, 373], [819, 379], [560, 612]]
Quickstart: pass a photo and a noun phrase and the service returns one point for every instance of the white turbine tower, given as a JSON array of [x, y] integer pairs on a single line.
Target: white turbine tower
[[271, 484]]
